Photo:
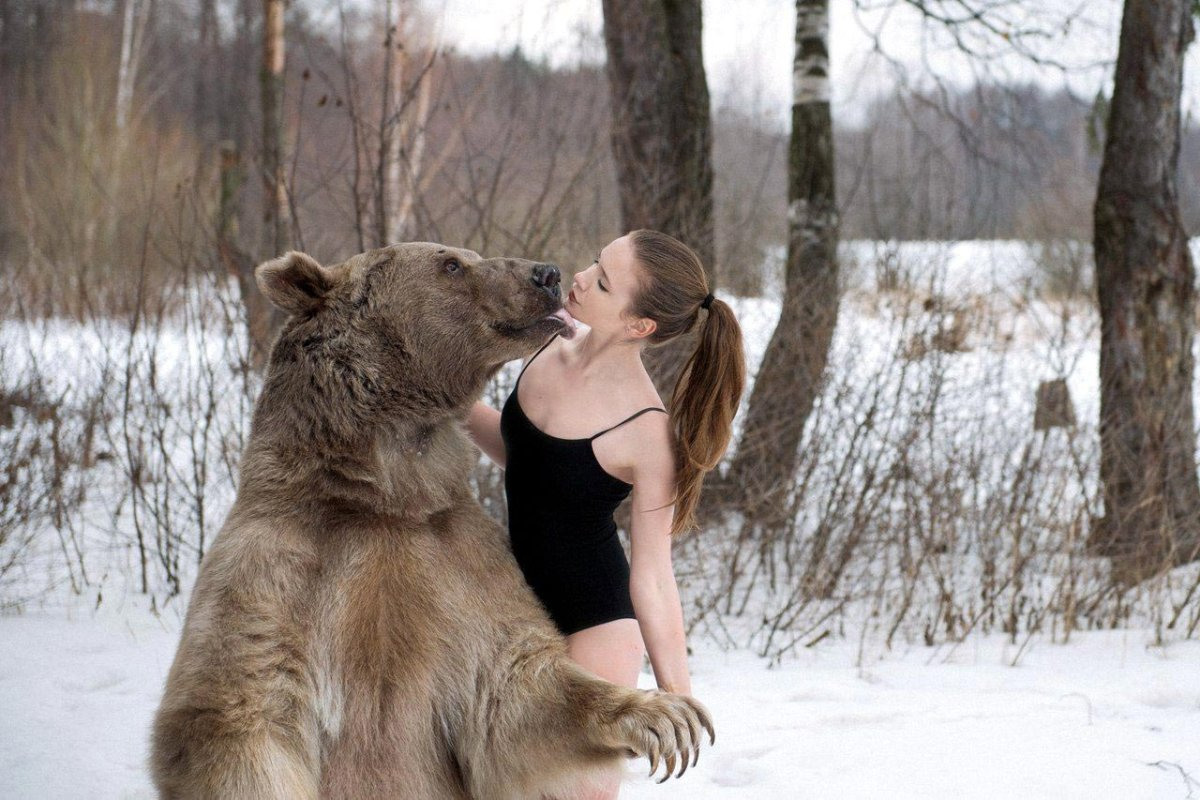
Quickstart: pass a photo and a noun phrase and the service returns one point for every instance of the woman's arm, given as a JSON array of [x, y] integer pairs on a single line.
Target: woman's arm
[[483, 426], [652, 579]]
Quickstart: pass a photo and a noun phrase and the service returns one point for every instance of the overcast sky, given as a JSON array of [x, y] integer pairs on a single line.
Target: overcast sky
[[748, 45]]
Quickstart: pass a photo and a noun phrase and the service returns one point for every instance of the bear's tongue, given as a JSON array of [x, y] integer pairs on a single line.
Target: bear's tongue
[[566, 317]]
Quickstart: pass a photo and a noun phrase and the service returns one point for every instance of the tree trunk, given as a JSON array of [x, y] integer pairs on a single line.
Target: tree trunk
[[208, 45], [1145, 280], [409, 153], [275, 205], [662, 136], [134, 16], [414, 130], [133, 20], [236, 113], [790, 376], [387, 168], [263, 319], [260, 316]]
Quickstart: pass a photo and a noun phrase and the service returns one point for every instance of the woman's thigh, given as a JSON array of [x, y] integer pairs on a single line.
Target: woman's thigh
[[613, 651]]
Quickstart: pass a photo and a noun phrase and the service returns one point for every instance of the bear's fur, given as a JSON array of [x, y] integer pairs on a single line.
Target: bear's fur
[[359, 628]]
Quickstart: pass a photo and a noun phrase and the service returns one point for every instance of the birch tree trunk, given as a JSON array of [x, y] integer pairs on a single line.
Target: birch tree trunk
[[790, 376], [134, 16], [662, 136], [409, 163], [1145, 279], [133, 21]]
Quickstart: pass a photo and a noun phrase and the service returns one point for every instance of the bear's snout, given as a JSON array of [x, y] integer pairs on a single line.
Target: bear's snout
[[548, 277]]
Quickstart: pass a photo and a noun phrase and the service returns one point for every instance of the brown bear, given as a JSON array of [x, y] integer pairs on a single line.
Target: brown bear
[[359, 628]]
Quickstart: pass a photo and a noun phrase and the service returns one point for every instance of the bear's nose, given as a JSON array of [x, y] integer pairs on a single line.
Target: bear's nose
[[547, 276]]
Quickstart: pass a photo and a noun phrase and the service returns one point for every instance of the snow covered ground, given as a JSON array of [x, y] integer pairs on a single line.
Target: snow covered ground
[[1103, 717], [1107, 716]]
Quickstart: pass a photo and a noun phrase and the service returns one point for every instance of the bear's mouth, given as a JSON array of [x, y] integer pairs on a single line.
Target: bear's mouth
[[560, 322], [563, 317]]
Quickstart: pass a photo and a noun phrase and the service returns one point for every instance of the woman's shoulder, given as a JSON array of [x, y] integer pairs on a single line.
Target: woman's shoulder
[[648, 447], [645, 430]]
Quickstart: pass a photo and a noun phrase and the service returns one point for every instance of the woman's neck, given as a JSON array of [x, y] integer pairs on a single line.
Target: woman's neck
[[596, 352]]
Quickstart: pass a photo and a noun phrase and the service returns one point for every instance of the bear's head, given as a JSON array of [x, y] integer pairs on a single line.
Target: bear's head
[[415, 328]]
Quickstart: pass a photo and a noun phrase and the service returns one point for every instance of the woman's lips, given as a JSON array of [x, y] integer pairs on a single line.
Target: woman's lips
[[571, 296]]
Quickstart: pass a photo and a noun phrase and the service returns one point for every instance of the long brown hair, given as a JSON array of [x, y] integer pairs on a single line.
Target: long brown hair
[[706, 396]]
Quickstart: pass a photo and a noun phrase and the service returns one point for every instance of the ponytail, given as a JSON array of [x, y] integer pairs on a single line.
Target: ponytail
[[703, 404], [674, 294]]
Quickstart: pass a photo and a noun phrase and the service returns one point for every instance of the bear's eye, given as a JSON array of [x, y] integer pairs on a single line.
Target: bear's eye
[[452, 266]]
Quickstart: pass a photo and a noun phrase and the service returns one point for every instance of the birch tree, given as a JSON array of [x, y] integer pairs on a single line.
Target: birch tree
[[1145, 279], [133, 28], [403, 120], [790, 376]]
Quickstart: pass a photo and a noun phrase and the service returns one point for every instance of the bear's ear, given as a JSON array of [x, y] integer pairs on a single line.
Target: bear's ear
[[294, 282]]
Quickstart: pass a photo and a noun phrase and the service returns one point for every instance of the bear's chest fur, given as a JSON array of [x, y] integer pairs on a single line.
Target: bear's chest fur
[[400, 614]]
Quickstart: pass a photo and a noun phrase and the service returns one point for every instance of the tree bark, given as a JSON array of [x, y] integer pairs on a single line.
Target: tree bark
[[208, 47], [1145, 281], [275, 205], [260, 316], [263, 319], [133, 24], [662, 136], [387, 177], [236, 113], [791, 374]]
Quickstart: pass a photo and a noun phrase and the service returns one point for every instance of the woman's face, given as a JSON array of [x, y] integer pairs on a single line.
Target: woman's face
[[600, 294]]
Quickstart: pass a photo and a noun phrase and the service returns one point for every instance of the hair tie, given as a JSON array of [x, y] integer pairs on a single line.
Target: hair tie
[[707, 301]]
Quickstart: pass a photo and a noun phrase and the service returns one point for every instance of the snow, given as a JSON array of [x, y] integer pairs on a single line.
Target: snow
[[1111, 714], [1105, 716]]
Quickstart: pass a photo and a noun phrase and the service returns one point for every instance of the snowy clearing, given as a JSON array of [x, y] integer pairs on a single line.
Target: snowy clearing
[[1104, 717], [1107, 716]]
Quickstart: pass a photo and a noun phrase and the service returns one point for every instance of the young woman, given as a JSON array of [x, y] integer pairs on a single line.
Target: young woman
[[584, 428]]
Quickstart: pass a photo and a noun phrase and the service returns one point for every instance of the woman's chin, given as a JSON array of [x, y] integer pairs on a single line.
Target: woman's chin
[[579, 315]]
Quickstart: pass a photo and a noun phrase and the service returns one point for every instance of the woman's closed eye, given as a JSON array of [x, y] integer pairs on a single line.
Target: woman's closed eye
[[599, 283]]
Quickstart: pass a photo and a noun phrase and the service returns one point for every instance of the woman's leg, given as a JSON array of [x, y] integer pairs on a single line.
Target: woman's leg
[[613, 651]]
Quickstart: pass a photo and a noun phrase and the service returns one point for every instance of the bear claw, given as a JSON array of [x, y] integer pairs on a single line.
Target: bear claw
[[666, 728]]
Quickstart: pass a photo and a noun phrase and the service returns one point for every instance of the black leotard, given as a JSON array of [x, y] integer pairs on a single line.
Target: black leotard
[[560, 520]]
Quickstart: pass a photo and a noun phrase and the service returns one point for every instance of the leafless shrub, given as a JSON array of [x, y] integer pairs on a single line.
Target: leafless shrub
[[926, 507], [1064, 269], [46, 433]]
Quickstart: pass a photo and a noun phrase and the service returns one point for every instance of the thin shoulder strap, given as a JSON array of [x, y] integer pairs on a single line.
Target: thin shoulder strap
[[531, 358], [628, 419]]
